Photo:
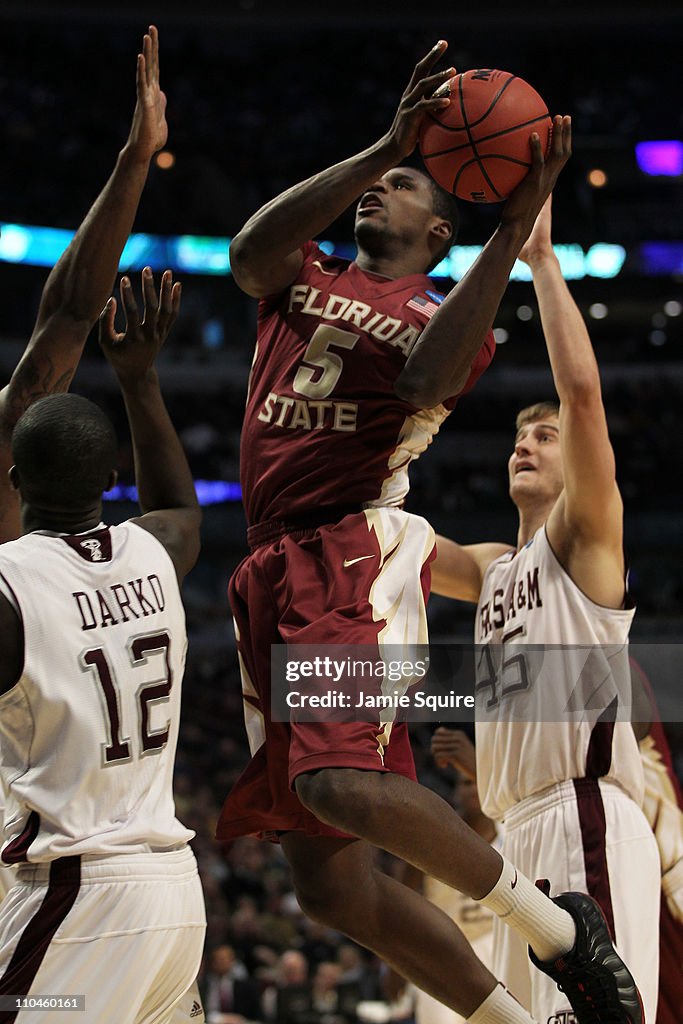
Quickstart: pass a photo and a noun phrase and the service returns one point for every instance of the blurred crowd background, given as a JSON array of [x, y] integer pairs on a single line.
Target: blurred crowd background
[[259, 96]]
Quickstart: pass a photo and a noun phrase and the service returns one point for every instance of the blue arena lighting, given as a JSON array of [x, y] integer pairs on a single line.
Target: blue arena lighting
[[663, 157], [661, 258], [209, 492], [199, 254], [605, 260], [602, 260], [187, 254]]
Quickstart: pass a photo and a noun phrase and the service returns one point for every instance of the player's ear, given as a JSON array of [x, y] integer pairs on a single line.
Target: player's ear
[[13, 478], [442, 229], [113, 477]]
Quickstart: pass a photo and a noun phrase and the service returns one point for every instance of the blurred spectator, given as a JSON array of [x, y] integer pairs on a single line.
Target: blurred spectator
[[230, 996], [290, 992], [325, 993]]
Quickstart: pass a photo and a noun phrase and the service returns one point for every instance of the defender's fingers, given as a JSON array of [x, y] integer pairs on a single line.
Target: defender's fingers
[[149, 59], [165, 301], [141, 75], [107, 333], [129, 304], [149, 294], [154, 36], [106, 319], [176, 296]]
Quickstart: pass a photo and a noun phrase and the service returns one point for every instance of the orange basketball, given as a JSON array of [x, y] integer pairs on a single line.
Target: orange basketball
[[478, 146]]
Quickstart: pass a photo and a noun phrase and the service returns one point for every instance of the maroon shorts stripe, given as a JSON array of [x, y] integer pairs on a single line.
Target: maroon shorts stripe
[[16, 852], [670, 961], [63, 886], [593, 836], [599, 753]]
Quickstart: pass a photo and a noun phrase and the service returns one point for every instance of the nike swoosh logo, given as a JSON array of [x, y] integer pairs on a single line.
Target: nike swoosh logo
[[514, 883], [352, 561]]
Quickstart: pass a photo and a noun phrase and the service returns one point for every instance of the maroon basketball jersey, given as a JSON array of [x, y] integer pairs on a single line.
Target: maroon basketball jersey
[[323, 425]]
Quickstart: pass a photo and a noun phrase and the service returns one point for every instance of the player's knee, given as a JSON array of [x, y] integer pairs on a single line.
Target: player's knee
[[332, 902], [319, 902], [335, 795]]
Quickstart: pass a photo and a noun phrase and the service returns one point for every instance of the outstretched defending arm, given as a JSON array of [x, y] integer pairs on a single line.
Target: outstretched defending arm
[[265, 256], [440, 362], [585, 527], [165, 487], [458, 569], [80, 282]]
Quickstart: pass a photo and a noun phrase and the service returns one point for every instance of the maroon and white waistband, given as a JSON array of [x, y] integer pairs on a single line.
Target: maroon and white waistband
[[272, 530]]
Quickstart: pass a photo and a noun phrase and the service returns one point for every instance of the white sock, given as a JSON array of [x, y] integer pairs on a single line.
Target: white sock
[[500, 1008], [549, 930]]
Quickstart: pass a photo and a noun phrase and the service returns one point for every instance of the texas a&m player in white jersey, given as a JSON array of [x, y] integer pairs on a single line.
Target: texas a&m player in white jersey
[[568, 792], [79, 284], [108, 903]]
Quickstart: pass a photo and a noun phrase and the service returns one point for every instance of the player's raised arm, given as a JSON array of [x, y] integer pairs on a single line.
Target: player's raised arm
[[80, 282], [458, 569], [440, 362], [165, 487], [265, 256], [586, 523]]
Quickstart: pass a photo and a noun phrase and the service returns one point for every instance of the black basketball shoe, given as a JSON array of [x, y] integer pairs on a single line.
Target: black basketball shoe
[[594, 979]]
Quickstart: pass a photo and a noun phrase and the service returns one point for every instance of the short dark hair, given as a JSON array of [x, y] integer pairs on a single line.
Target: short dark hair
[[443, 205], [64, 449]]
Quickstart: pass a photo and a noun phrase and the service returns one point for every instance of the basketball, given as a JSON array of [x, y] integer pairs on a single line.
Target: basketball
[[478, 146]]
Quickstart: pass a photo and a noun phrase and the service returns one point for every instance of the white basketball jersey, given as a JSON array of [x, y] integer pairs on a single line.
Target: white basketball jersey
[[88, 734], [525, 740]]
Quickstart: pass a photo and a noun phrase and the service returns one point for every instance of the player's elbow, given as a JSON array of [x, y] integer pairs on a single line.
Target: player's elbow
[[66, 310], [418, 390], [582, 391], [245, 264], [239, 251]]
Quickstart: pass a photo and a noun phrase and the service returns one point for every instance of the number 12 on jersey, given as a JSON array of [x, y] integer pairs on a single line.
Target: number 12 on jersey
[[141, 650]]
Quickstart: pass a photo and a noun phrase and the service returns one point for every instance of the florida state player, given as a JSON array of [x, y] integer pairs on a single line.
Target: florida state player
[[338, 407]]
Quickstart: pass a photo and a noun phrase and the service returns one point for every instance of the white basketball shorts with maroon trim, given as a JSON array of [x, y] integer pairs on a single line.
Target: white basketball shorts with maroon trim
[[584, 835], [363, 580], [125, 931]]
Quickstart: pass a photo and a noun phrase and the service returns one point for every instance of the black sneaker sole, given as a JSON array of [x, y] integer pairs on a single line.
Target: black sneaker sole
[[600, 948]]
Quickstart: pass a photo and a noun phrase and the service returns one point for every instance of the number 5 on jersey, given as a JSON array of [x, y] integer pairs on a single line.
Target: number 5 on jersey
[[318, 357]]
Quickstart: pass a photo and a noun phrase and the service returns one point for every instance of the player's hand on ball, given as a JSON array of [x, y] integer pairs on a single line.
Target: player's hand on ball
[[417, 99], [454, 748], [528, 198], [132, 352]]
